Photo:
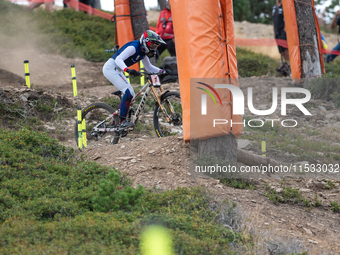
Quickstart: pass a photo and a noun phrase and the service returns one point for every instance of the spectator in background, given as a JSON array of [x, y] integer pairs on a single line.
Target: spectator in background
[[336, 50], [88, 3], [74, 4], [71, 4], [280, 33], [166, 31], [48, 5]]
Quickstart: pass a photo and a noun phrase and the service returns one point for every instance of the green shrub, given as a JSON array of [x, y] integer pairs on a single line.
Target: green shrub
[[327, 87], [254, 64], [335, 207], [48, 197], [189, 214], [113, 197], [43, 180], [317, 202], [287, 195], [238, 183], [330, 184]]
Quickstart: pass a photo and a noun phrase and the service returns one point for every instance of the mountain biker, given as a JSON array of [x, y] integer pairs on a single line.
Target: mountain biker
[[131, 53]]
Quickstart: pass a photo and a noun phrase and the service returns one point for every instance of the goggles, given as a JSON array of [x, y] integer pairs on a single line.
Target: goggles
[[153, 46]]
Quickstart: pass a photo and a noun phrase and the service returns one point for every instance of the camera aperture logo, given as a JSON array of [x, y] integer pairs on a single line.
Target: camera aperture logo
[[238, 104], [204, 97]]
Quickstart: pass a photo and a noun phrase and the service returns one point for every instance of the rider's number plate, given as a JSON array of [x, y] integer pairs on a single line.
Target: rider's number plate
[[155, 80]]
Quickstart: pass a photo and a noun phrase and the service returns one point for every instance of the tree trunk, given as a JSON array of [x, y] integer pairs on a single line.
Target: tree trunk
[[221, 151], [223, 147], [162, 4], [310, 59], [139, 21], [138, 18], [96, 4]]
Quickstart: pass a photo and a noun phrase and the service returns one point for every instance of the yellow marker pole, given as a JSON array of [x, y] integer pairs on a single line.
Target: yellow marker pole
[[84, 134], [142, 78], [263, 147], [74, 81], [127, 76], [80, 128], [27, 74]]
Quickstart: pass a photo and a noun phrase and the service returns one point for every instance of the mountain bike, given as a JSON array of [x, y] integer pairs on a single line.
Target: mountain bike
[[102, 120]]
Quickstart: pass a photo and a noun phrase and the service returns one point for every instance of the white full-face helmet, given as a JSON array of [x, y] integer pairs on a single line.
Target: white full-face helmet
[[150, 42]]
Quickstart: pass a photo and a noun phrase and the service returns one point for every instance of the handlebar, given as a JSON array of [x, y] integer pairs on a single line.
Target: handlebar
[[150, 73], [114, 49]]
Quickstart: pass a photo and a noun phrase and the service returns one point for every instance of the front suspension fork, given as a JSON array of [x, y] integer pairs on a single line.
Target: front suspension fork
[[158, 99]]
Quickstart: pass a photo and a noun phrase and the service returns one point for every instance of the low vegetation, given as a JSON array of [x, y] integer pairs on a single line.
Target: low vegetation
[[255, 64], [327, 87], [291, 195], [292, 142], [50, 199], [238, 183], [30, 110]]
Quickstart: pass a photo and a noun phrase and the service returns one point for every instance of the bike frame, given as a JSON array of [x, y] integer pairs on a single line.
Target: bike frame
[[153, 81], [142, 102]]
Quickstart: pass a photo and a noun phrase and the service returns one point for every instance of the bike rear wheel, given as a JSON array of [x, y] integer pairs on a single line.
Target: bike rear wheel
[[100, 115], [172, 123]]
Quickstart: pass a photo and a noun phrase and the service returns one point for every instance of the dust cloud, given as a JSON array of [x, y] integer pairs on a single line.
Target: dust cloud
[[21, 40]]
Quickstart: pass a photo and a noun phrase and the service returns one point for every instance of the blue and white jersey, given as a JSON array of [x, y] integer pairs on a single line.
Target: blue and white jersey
[[129, 60], [131, 53]]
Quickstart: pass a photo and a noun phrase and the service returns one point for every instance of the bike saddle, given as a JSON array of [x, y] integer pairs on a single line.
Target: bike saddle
[[117, 93]]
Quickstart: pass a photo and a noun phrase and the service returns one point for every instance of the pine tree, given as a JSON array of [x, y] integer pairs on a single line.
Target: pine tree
[[113, 197]]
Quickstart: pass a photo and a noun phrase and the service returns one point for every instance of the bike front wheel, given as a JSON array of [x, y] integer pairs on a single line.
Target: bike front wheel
[[99, 122], [169, 122]]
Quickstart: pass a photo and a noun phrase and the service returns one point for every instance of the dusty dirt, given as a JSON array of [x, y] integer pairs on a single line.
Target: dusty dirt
[[164, 163]]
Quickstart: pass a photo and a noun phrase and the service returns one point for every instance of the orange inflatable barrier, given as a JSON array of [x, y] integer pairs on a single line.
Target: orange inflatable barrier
[[228, 17], [123, 22], [319, 39], [206, 52], [124, 30], [292, 38]]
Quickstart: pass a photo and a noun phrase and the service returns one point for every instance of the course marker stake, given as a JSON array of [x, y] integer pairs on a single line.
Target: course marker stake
[[263, 145], [27, 74]]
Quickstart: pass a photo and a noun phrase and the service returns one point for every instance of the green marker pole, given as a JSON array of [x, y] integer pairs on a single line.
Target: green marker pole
[[263, 145], [27, 74]]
